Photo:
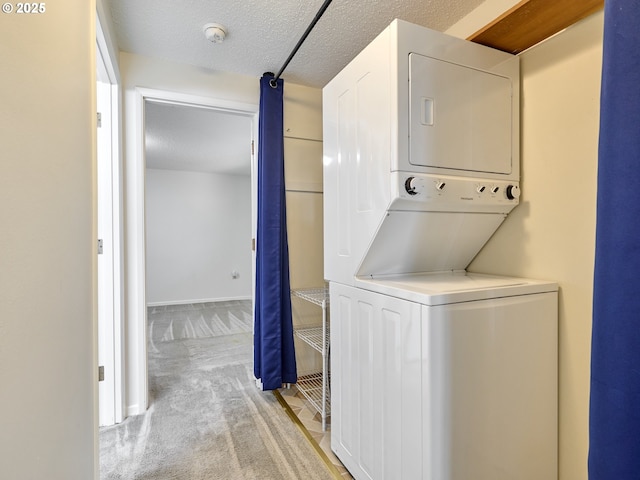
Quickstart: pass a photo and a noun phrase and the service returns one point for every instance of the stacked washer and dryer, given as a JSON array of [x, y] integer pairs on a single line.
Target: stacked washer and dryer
[[437, 373]]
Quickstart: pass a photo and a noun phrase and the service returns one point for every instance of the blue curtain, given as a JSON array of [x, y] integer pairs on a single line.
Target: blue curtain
[[274, 354], [614, 427]]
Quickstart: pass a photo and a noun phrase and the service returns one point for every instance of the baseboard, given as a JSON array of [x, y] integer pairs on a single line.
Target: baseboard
[[133, 410], [201, 300]]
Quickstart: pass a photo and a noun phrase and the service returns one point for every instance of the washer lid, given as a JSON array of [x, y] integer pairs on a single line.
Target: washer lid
[[453, 287]]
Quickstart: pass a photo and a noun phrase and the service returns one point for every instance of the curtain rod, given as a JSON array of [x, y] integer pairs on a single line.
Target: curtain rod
[[274, 81]]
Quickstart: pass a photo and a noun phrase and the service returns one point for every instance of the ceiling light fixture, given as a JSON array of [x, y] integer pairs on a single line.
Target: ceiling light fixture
[[215, 32]]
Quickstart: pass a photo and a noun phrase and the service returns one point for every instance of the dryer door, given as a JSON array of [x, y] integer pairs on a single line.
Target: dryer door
[[460, 117], [411, 242]]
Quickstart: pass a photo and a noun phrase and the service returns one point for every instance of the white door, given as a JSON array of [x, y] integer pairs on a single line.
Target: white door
[[460, 117], [375, 383], [105, 261], [109, 283]]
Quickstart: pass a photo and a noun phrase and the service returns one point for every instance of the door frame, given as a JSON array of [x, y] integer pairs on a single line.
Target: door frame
[[110, 214], [136, 368]]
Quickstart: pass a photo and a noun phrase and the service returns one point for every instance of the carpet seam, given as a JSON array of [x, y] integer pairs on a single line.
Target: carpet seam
[[294, 418]]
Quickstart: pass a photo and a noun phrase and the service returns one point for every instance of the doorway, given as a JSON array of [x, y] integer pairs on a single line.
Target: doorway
[[146, 101], [197, 205]]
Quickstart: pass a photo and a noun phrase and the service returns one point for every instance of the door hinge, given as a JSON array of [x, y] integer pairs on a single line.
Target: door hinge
[[252, 148], [253, 244], [100, 246], [101, 373], [99, 119]]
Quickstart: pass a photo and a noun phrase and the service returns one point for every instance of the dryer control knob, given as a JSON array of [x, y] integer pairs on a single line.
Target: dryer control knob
[[410, 186], [513, 192]]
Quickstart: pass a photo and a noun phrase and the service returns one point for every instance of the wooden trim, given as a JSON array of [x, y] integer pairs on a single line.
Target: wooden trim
[[531, 21]]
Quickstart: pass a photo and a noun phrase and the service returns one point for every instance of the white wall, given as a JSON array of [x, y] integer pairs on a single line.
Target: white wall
[[141, 71], [551, 234], [198, 232], [48, 360], [303, 184], [482, 15]]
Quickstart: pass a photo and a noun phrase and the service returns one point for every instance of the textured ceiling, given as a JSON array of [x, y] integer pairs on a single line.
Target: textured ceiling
[[179, 137], [261, 34]]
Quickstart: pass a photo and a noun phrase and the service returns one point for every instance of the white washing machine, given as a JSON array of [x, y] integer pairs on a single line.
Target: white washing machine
[[437, 373], [445, 376]]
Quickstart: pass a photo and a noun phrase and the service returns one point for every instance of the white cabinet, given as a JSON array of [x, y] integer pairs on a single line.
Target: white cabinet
[[376, 380]]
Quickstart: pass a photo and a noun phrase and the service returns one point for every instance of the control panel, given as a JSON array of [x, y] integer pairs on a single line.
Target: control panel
[[453, 193]]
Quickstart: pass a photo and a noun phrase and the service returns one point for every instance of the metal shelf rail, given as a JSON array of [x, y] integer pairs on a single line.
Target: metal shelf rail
[[315, 387]]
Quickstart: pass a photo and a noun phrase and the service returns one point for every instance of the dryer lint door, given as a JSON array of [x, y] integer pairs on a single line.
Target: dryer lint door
[[460, 117]]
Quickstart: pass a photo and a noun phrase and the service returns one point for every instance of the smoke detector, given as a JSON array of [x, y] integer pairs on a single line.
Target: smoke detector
[[215, 32]]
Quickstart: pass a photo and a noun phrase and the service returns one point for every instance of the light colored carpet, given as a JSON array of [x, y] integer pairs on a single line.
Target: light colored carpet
[[207, 420], [199, 320]]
